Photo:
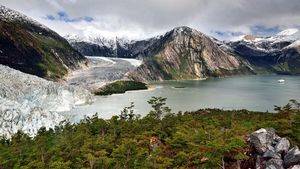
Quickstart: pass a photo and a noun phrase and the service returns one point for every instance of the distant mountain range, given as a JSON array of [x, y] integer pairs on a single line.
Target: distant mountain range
[[182, 53], [277, 54], [185, 53], [33, 48]]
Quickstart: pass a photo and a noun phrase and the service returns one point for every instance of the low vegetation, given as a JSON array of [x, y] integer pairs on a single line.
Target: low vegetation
[[121, 87], [206, 138]]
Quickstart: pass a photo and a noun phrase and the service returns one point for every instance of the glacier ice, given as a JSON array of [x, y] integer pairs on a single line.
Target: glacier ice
[[28, 102]]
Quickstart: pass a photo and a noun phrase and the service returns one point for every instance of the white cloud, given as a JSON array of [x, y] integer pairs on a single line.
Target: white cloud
[[144, 18]]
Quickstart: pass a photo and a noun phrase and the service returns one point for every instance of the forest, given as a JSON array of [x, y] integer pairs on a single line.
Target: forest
[[207, 138]]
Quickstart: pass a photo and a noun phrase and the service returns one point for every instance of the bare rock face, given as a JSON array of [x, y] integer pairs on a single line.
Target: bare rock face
[[269, 154], [282, 146], [292, 157], [262, 140], [272, 151], [274, 164], [185, 53]]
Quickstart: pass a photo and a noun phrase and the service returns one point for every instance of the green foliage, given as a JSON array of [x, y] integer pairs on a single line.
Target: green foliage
[[159, 108], [128, 113], [201, 139], [121, 87]]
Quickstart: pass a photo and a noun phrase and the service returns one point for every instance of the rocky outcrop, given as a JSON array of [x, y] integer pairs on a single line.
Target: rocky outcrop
[[32, 48], [292, 157], [272, 151], [185, 53]]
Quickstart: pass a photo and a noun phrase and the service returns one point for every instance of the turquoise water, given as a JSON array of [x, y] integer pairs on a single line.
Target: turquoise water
[[259, 93]]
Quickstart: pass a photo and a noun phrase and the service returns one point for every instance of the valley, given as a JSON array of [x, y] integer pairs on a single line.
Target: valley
[[182, 54], [102, 70], [180, 98]]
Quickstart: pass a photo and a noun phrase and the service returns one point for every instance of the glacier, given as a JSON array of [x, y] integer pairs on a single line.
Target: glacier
[[28, 102]]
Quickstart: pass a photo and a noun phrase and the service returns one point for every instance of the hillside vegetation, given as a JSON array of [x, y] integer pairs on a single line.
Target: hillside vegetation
[[206, 138]]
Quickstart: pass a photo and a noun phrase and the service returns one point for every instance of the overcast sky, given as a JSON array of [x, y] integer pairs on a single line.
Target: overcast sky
[[138, 19]]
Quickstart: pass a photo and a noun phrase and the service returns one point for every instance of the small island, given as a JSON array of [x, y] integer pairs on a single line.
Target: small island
[[121, 86]]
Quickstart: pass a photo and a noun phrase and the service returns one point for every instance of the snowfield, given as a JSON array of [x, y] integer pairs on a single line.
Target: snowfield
[[28, 102]]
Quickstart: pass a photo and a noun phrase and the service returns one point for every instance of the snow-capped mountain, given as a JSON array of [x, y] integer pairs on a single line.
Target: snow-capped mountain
[[28, 102], [99, 40], [277, 54], [278, 41], [113, 47], [99, 45], [289, 32], [11, 15]]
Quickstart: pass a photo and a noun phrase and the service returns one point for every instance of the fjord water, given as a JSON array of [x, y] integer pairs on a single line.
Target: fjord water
[[258, 93]]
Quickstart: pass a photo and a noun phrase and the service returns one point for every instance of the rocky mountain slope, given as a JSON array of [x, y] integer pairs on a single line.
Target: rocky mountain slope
[[186, 53], [277, 54], [28, 102], [32, 48], [182, 53]]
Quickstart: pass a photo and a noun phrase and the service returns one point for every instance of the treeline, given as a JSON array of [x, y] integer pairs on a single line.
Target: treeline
[[209, 138]]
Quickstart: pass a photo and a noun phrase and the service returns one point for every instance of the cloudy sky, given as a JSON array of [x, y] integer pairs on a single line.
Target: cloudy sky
[[136, 19]]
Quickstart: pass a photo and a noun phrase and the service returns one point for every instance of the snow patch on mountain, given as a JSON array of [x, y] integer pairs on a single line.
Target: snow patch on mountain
[[11, 15], [100, 40], [288, 38], [288, 32], [28, 102]]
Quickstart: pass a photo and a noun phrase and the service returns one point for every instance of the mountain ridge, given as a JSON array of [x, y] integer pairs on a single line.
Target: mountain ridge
[[31, 47], [186, 53], [258, 55], [278, 54]]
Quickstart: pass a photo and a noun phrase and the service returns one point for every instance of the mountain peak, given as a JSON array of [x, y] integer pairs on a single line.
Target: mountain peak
[[183, 29], [249, 37], [288, 32], [10, 15]]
